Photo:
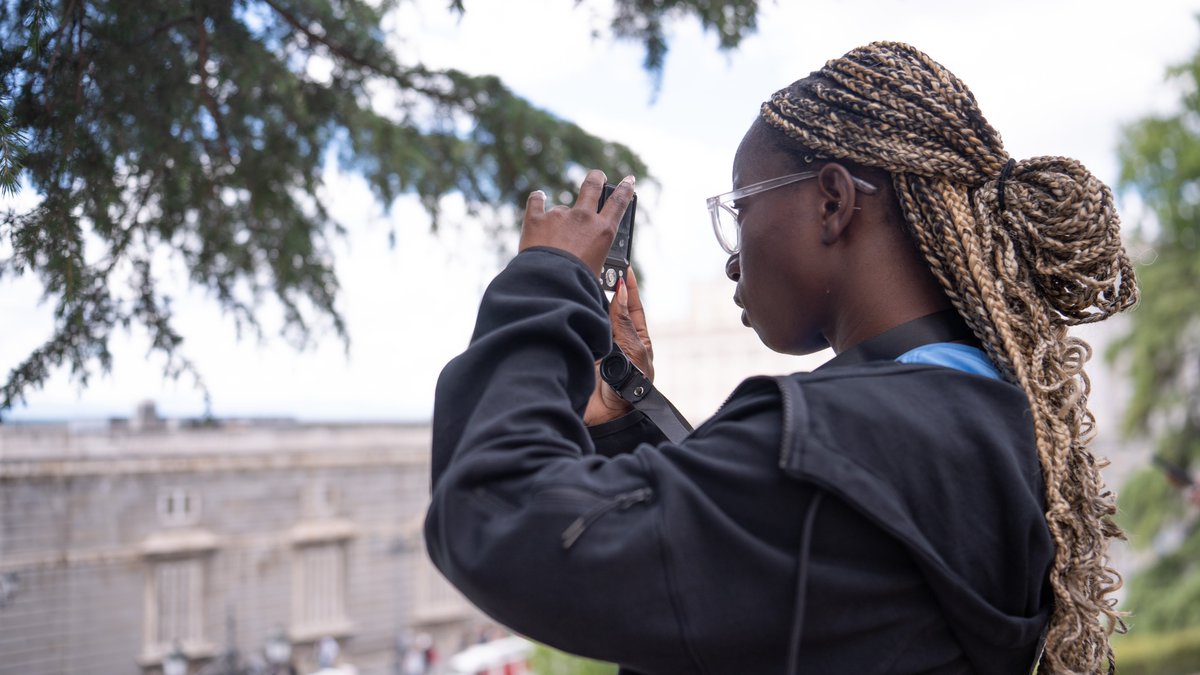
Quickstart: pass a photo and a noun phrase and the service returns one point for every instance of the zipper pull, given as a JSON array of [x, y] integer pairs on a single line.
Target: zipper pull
[[622, 501]]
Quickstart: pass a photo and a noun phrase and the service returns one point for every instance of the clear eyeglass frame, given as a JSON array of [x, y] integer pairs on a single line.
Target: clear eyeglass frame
[[725, 217]]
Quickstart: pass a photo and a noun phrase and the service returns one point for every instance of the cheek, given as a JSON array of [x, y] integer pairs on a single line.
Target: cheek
[[765, 284], [767, 271], [784, 295]]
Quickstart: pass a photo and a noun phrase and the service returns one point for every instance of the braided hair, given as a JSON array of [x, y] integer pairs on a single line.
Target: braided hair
[[1023, 250]]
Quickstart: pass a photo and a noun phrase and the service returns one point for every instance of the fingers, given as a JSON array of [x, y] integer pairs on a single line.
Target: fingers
[[618, 201], [535, 204], [577, 230], [636, 312], [618, 316], [634, 340], [624, 331], [535, 209], [589, 191]]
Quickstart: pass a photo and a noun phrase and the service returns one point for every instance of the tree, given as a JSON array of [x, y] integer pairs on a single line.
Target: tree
[[1160, 163], [202, 127]]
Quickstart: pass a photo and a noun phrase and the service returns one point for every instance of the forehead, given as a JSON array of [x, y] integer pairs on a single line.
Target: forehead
[[757, 158]]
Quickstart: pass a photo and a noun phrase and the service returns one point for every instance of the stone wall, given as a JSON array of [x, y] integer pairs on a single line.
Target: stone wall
[[111, 539]]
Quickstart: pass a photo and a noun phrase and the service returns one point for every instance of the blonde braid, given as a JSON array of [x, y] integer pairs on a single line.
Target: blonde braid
[[1023, 250]]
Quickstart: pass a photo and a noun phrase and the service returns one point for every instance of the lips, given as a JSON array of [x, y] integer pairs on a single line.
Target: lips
[[737, 300]]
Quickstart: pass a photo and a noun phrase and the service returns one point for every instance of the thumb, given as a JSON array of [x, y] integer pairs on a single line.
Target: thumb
[[624, 331], [618, 311]]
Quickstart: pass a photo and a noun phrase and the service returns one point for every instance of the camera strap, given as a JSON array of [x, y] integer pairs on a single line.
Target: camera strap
[[632, 385], [944, 326]]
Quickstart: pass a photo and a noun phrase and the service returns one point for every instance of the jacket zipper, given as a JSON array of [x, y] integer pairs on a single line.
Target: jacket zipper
[[785, 442], [620, 502]]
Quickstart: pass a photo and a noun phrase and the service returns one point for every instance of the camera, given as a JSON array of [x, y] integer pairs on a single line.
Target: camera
[[617, 261]]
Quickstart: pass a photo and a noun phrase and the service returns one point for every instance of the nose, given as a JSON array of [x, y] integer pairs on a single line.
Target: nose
[[733, 268]]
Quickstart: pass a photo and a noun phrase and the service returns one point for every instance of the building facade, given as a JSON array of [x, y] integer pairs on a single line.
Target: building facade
[[120, 542]]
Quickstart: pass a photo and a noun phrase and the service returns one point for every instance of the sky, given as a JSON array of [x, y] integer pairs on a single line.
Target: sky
[[1054, 77]]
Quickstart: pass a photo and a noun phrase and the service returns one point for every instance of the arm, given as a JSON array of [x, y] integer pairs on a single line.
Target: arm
[[550, 539]]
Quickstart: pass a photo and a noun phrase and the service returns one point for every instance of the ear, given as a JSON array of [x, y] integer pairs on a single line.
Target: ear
[[838, 196]]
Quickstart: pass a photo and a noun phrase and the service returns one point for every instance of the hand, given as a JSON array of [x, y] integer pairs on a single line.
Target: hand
[[629, 331], [578, 230]]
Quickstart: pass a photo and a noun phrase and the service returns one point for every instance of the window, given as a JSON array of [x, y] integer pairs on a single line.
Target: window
[[435, 599], [319, 564], [321, 577], [179, 598], [178, 506], [176, 581]]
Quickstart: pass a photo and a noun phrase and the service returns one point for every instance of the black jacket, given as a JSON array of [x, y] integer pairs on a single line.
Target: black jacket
[[877, 518]]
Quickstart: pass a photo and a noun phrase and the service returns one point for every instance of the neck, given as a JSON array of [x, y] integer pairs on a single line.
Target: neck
[[852, 330], [891, 290]]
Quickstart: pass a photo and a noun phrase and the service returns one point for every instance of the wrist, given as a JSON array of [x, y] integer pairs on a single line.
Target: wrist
[[612, 407]]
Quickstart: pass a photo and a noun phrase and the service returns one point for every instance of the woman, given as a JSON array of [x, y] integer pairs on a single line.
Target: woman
[[923, 503]]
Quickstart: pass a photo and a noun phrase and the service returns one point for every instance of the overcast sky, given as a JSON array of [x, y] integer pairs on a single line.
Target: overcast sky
[[1054, 77]]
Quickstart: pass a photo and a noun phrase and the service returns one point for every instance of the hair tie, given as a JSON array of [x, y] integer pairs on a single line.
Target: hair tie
[[1004, 174]]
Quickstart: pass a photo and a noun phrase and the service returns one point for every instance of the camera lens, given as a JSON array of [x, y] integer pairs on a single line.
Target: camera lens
[[615, 369]]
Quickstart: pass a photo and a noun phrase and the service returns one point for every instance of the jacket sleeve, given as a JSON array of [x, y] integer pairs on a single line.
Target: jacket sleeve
[[551, 539]]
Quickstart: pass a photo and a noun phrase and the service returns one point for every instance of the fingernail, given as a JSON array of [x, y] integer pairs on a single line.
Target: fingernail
[[537, 193], [622, 294], [629, 179]]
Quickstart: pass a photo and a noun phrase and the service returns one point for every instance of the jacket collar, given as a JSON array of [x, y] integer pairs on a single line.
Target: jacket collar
[[944, 326]]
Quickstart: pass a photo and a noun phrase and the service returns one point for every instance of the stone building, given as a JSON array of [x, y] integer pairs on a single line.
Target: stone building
[[120, 540]]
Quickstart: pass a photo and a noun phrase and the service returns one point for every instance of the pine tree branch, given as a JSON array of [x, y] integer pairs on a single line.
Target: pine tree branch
[[162, 28], [210, 102], [341, 52]]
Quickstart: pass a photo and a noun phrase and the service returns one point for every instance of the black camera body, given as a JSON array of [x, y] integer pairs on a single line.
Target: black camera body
[[617, 261]]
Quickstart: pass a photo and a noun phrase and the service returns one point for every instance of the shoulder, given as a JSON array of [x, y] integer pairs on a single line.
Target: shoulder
[[929, 453], [882, 414], [907, 396]]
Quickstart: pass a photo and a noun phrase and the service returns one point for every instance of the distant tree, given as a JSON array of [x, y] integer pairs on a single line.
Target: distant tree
[[1160, 163], [202, 127]]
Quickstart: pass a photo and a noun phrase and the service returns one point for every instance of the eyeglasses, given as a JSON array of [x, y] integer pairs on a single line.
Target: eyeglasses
[[725, 216]]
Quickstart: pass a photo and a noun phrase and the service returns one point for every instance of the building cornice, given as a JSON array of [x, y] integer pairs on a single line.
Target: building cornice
[[188, 460]]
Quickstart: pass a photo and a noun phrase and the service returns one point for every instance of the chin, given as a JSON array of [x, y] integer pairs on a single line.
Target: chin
[[793, 348]]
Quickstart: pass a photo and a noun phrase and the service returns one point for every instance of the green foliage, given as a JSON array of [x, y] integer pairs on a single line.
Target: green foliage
[[1174, 653], [645, 20], [1165, 596], [1148, 504], [204, 127], [12, 152], [547, 661], [1160, 164]]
